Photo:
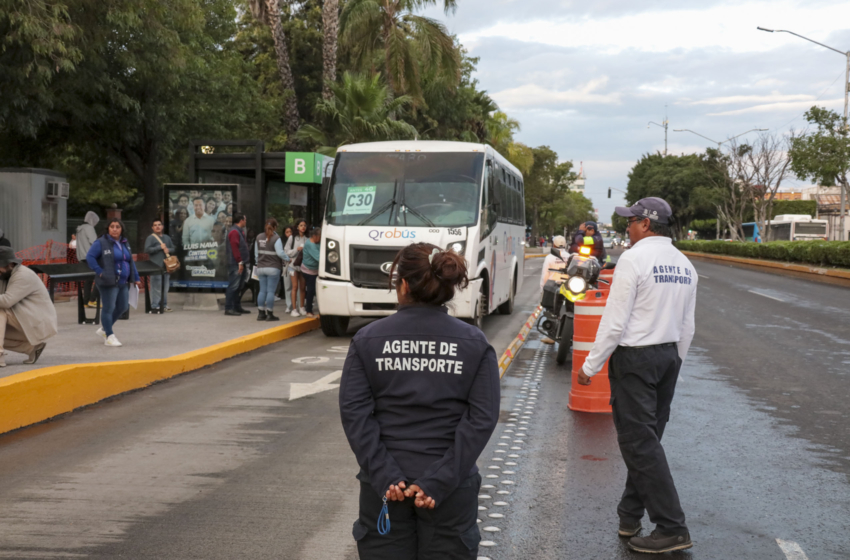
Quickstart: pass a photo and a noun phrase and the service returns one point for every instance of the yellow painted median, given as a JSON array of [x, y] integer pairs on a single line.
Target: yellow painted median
[[38, 395]]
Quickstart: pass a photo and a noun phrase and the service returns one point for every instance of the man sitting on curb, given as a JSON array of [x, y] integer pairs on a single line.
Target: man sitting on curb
[[27, 316]]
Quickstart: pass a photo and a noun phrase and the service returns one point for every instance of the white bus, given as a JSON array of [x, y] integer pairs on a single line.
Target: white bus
[[386, 195], [797, 227]]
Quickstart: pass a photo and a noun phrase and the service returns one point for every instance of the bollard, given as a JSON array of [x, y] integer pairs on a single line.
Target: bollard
[[588, 314]]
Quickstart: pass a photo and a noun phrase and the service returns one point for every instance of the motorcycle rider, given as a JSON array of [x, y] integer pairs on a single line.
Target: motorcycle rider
[[590, 229], [551, 261]]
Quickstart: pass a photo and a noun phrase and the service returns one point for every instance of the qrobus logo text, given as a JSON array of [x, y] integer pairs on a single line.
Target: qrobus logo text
[[378, 235]]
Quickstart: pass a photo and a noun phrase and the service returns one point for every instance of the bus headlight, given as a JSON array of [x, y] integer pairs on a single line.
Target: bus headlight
[[577, 284], [332, 257], [458, 247]]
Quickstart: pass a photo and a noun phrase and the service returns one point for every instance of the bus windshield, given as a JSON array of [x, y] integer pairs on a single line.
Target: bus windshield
[[412, 189]]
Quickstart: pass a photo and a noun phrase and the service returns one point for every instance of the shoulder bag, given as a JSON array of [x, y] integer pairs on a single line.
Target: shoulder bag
[[172, 263]]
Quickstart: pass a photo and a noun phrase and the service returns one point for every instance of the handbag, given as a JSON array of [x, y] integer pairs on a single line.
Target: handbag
[[172, 263], [296, 262]]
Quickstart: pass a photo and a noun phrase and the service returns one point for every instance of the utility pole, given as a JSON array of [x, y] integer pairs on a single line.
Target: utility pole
[[667, 123], [846, 55]]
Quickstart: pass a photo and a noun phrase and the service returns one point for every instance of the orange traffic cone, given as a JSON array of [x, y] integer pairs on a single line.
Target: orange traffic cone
[[588, 314]]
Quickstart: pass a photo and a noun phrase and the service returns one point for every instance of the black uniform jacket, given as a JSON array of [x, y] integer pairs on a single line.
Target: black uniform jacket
[[598, 249], [419, 399]]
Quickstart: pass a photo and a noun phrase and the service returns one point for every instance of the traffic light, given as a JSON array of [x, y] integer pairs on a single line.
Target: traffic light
[[609, 192]]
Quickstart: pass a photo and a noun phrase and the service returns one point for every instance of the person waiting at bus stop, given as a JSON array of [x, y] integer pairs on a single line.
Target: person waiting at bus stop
[[111, 259], [237, 257], [646, 329], [27, 316], [419, 399]]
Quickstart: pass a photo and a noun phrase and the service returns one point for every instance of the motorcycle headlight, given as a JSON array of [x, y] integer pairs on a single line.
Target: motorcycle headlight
[[577, 284], [584, 250], [458, 247]]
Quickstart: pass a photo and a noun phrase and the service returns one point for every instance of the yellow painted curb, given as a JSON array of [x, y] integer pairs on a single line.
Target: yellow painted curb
[[838, 274], [516, 345], [41, 394], [535, 256]]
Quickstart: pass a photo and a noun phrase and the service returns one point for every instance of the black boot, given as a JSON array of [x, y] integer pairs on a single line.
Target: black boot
[[262, 316], [271, 317]]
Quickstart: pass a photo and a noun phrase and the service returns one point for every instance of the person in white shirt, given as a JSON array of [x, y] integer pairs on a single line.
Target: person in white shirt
[[551, 261], [198, 227], [646, 330]]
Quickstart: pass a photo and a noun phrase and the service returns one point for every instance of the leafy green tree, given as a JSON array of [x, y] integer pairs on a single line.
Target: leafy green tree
[[151, 75], [680, 180], [37, 42], [453, 113], [360, 111], [619, 223], [550, 205], [387, 35], [824, 155]]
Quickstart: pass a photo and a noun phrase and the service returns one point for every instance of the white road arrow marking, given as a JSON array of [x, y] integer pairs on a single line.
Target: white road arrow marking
[[792, 550], [298, 390]]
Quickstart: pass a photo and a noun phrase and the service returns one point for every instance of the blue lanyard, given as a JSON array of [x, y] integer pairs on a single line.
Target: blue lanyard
[[384, 519]]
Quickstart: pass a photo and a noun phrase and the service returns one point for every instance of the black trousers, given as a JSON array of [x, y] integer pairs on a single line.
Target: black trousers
[[447, 532], [643, 381]]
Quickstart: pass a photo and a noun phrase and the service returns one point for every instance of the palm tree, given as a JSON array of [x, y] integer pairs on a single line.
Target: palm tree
[[500, 135], [360, 110], [330, 26], [268, 13], [408, 43]]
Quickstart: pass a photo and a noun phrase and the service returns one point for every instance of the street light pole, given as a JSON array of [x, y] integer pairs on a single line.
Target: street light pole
[[664, 126], [846, 55]]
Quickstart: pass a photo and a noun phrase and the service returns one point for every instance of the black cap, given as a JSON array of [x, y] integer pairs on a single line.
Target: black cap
[[654, 208], [7, 255]]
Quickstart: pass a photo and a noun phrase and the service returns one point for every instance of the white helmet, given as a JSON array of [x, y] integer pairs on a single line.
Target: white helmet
[[559, 241]]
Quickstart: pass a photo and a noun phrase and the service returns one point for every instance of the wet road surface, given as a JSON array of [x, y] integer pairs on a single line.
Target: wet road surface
[[221, 464]]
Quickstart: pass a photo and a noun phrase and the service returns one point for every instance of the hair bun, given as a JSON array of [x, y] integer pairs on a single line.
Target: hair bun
[[432, 273]]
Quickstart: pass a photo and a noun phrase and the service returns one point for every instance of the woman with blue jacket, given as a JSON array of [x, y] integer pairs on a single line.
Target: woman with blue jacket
[[111, 259]]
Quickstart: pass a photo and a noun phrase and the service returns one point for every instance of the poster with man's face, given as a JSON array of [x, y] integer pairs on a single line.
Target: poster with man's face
[[199, 217]]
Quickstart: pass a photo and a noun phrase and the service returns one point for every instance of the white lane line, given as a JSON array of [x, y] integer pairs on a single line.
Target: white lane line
[[792, 550], [765, 295], [704, 276]]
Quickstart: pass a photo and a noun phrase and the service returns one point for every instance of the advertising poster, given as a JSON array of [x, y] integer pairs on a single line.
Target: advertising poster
[[199, 216]]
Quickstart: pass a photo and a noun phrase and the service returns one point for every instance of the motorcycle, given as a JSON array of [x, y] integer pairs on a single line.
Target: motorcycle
[[569, 285]]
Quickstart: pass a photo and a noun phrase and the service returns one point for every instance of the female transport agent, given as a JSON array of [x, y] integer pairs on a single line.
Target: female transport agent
[[270, 256], [112, 261], [419, 399]]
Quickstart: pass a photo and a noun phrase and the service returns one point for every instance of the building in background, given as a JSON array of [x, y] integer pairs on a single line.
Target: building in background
[[578, 184], [33, 206], [829, 208], [789, 195]]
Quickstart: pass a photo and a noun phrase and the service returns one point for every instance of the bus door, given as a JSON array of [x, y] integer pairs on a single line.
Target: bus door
[[490, 230]]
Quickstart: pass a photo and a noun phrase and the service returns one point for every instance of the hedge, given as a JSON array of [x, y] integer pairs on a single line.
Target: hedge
[[820, 253]]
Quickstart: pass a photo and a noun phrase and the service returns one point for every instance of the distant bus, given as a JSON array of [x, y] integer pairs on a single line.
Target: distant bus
[[798, 227], [751, 232]]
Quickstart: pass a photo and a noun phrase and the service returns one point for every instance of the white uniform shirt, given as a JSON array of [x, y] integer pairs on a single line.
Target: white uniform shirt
[[551, 261], [652, 301]]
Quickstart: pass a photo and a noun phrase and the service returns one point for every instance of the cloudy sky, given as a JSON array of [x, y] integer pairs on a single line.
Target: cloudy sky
[[585, 77]]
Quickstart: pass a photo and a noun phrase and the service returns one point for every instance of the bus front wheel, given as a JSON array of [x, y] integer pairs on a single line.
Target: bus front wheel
[[334, 325], [507, 308]]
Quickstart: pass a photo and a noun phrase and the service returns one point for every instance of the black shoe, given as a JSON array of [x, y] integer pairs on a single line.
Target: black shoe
[[232, 313], [271, 317], [155, 311], [629, 528], [656, 543], [242, 311], [262, 315], [36, 353]]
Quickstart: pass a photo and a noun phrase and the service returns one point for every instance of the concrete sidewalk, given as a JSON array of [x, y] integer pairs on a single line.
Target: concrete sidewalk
[[143, 336]]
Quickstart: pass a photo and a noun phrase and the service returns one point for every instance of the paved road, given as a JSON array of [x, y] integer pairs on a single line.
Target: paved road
[[217, 464], [220, 464]]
